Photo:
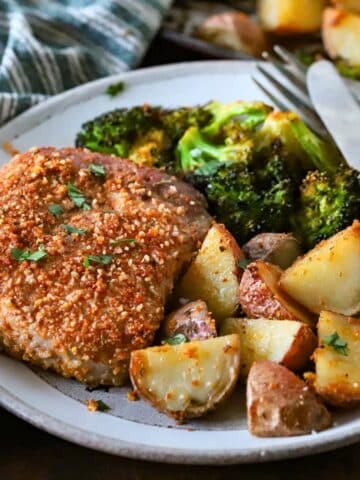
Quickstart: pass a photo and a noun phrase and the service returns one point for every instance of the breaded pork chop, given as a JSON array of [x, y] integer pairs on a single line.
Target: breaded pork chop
[[90, 246]]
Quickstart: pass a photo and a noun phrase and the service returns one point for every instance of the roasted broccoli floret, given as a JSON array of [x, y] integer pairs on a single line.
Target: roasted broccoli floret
[[249, 200], [146, 135], [196, 154], [327, 204], [244, 115], [305, 150]]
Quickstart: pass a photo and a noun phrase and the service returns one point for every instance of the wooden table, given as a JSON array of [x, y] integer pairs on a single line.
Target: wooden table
[[27, 453]]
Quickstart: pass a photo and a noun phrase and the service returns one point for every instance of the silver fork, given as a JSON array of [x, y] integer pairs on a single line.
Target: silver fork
[[283, 80]]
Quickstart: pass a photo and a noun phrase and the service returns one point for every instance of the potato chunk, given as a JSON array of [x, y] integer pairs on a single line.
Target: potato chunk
[[192, 320], [214, 275], [288, 17], [279, 404], [282, 341], [261, 296], [337, 377], [187, 380], [234, 30], [328, 277], [341, 35], [278, 248]]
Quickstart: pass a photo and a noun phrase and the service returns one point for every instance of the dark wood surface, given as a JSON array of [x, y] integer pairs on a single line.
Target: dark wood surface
[[27, 453]]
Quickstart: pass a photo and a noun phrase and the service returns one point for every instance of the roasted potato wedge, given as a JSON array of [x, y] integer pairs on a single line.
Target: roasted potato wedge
[[287, 342], [291, 17], [214, 275], [281, 249], [187, 380], [341, 35], [328, 277], [279, 404], [337, 378], [261, 297], [349, 5], [234, 30], [192, 320]]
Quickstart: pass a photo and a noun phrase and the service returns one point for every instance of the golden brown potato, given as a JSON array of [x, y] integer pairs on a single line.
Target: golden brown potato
[[187, 380], [279, 404], [291, 17], [192, 320], [261, 296], [349, 5], [341, 35], [214, 275], [234, 30], [328, 277], [278, 248], [337, 360], [287, 342]]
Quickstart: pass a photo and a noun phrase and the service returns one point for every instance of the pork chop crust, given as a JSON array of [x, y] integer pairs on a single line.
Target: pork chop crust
[[99, 292]]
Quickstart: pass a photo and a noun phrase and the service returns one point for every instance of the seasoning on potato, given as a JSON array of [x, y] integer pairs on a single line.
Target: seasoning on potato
[[287, 342], [214, 275], [328, 276], [337, 360], [261, 296], [281, 404], [187, 380]]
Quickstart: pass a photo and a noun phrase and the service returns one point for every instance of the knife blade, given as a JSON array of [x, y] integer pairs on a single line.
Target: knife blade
[[337, 108]]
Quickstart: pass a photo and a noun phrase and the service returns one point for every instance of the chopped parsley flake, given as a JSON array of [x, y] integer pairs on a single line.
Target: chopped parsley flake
[[243, 263], [100, 259], [337, 343], [70, 229], [22, 255], [115, 89], [55, 210], [97, 406], [102, 406], [77, 197], [97, 170], [176, 339]]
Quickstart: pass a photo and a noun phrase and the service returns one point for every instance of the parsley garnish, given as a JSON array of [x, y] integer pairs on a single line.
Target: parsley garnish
[[337, 343], [100, 259], [70, 229], [176, 339], [22, 255], [115, 243], [243, 263], [55, 210], [115, 89], [77, 197], [97, 170], [102, 406]]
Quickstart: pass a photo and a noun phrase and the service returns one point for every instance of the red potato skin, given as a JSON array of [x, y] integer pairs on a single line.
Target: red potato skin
[[304, 344], [281, 404], [256, 298], [192, 320]]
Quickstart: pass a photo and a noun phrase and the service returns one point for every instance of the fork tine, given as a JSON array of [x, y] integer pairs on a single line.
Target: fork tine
[[286, 72], [276, 101], [301, 104], [310, 119], [295, 95], [291, 59]]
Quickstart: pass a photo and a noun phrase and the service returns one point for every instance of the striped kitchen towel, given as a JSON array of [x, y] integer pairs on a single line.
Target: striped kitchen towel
[[47, 46]]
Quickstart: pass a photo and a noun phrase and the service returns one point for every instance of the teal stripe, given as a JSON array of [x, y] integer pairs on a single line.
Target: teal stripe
[[52, 45]]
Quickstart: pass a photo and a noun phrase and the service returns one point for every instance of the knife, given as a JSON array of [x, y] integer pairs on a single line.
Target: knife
[[337, 108]]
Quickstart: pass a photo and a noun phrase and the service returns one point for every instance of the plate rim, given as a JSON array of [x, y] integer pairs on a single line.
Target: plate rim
[[97, 441]]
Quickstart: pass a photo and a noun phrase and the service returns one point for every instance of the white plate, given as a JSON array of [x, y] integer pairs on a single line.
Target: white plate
[[134, 429]]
